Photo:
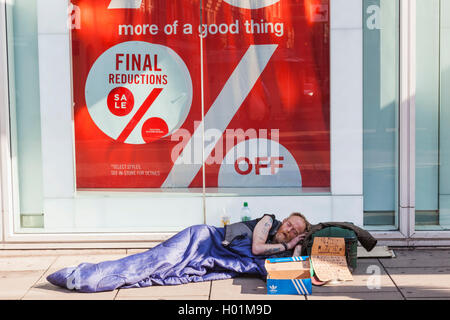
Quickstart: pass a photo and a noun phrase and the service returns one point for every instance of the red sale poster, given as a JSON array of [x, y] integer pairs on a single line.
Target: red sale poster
[[167, 93]]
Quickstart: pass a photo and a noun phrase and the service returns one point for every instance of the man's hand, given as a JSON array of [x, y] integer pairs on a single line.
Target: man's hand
[[291, 244]]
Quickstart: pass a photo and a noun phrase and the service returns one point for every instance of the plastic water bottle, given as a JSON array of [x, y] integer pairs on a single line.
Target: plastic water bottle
[[245, 213], [225, 219]]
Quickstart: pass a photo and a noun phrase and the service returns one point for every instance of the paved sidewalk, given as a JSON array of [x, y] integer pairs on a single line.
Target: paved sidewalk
[[412, 274]]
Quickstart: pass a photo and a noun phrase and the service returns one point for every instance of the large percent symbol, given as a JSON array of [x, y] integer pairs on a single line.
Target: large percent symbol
[[219, 116], [228, 101], [139, 114]]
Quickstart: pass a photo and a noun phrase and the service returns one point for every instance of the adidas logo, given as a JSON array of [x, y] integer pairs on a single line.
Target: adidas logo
[[273, 288]]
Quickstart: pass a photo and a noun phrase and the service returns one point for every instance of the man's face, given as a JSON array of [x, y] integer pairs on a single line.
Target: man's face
[[289, 229]]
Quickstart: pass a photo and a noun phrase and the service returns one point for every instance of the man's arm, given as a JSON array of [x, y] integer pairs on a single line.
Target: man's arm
[[297, 251], [260, 234]]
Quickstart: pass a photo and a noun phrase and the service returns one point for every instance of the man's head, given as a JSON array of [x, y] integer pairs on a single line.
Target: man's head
[[291, 227]]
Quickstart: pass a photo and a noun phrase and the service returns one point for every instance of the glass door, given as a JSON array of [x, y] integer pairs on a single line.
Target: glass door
[[381, 113], [432, 116]]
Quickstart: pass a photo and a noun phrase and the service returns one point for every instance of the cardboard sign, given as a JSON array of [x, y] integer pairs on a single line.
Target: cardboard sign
[[144, 118], [328, 259], [288, 276]]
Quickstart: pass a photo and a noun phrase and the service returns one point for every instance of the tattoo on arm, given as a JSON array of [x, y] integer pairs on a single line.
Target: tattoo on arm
[[260, 235], [268, 225], [273, 250], [262, 232]]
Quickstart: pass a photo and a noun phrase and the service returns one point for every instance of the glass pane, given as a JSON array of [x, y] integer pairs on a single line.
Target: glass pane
[[25, 107], [137, 97], [381, 92], [432, 115], [267, 97]]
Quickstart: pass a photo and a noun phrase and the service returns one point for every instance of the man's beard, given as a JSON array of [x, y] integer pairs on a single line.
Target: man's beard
[[280, 237]]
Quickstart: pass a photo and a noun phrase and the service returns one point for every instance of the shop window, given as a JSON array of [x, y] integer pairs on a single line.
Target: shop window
[[123, 112]]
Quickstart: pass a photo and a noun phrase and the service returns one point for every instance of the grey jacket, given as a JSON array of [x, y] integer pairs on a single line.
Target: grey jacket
[[245, 229]]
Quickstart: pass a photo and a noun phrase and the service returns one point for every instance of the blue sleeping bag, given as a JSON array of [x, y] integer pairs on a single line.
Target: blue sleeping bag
[[193, 255]]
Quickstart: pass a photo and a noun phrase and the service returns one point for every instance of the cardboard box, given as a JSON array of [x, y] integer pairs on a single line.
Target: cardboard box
[[289, 276]]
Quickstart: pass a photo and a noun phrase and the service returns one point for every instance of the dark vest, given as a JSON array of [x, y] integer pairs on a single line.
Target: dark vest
[[245, 229]]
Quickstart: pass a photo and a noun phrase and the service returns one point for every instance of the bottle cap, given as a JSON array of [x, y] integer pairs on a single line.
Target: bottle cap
[[245, 204]]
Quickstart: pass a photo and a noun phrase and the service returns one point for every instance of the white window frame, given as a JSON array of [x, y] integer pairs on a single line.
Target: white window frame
[[4, 130]]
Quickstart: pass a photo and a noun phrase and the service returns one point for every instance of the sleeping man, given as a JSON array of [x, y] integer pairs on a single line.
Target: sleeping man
[[198, 253], [270, 236]]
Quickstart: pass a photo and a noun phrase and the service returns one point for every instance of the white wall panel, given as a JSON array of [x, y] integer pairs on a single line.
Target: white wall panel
[[56, 116], [346, 97], [122, 213], [52, 16], [55, 99], [346, 14]]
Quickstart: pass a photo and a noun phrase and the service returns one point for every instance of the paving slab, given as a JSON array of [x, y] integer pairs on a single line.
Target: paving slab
[[418, 258], [47, 291], [43, 290], [59, 252], [177, 292], [245, 289], [356, 296], [424, 282], [368, 277], [428, 298], [190, 297], [74, 260], [366, 261], [135, 251], [15, 284], [26, 263]]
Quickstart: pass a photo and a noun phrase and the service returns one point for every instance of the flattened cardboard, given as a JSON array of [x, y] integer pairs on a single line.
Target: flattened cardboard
[[328, 259]]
